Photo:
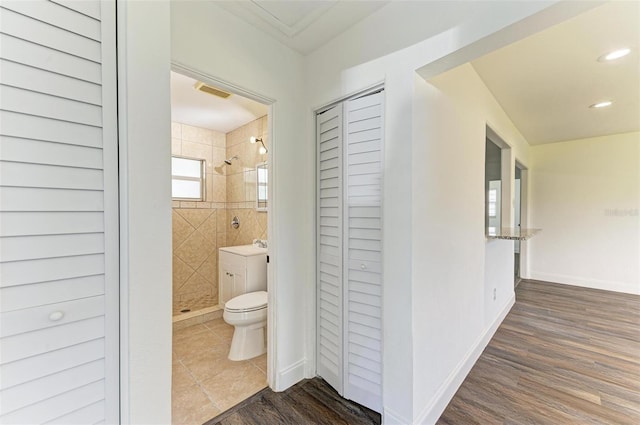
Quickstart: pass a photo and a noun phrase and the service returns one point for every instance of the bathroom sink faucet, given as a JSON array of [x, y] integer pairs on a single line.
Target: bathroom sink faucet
[[260, 243]]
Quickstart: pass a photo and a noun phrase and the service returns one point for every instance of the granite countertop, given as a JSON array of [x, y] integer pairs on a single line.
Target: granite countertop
[[511, 233]]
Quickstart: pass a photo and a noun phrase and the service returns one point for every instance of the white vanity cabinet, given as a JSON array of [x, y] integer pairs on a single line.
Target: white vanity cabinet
[[242, 269]]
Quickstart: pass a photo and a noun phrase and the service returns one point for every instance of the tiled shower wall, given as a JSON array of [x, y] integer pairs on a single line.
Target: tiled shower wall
[[200, 228]]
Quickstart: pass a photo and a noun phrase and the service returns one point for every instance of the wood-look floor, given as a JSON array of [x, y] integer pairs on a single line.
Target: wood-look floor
[[311, 401], [563, 355]]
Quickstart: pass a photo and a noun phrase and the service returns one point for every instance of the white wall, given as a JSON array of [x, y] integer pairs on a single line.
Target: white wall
[[456, 270], [586, 199], [210, 40], [145, 203], [426, 346]]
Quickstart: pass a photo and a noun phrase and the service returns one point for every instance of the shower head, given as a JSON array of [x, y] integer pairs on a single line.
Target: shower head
[[228, 161]]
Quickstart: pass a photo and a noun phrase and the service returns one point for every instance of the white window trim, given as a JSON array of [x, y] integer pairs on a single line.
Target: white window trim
[[202, 179]]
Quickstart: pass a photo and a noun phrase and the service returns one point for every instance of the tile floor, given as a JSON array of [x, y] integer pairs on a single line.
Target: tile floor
[[205, 382]]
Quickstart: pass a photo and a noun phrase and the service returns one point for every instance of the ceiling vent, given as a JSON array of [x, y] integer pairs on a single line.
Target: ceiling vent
[[211, 90]]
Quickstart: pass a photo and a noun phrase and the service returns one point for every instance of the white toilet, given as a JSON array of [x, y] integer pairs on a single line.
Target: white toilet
[[242, 292], [248, 313]]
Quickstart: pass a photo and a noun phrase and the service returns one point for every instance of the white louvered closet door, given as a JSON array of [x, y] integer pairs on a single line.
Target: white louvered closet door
[[350, 287], [58, 213], [329, 236]]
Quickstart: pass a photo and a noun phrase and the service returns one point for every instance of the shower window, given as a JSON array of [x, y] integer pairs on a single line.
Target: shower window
[[187, 179]]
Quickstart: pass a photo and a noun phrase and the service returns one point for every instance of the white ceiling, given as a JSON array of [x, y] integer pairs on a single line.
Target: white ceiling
[[193, 107], [303, 25], [546, 82]]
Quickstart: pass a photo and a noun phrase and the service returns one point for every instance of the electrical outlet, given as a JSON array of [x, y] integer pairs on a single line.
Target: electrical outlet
[[494, 294]]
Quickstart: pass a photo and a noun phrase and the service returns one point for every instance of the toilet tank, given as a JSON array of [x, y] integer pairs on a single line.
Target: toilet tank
[[241, 269]]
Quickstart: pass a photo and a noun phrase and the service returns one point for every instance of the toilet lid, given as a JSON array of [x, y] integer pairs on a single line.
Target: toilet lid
[[247, 302]]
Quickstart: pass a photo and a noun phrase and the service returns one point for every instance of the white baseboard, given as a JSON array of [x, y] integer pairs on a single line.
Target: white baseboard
[[290, 375], [627, 288], [433, 410], [389, 417]]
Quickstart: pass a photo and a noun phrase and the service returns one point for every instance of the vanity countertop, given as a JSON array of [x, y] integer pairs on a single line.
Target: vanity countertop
[[245, 250], [511, 233]]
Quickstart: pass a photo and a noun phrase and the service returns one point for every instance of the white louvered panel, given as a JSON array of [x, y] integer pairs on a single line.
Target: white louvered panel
[[43, 270], [36, 199], [329, 280], [44, 34], [361, 254], [365, 244], [50, 223], [42, 341], [24, 52], [35, 318], [20, 248], [44, 105], [31, 368], [356, 358], [371, 234], [90, 414], [38, 80], [58, 235], [365, 136], [57, 406], [26, 296], [369, 355], [62, 17], [363, 291], [46, 153], [365, 146], [85, 7], [46, 129], [370, 306], [49, 176], [22, 395]]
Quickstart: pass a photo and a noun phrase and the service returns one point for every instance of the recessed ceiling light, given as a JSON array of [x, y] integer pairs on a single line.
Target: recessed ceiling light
[[616, 54], [601, 104]]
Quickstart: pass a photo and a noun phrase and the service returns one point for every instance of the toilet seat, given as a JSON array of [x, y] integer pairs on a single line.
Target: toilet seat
[[247, 302]]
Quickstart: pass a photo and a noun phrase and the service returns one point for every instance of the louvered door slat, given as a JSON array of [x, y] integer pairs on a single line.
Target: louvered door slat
[[329, 311]]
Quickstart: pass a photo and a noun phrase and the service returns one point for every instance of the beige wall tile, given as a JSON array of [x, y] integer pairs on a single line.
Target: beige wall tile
[[197, 135], [209, 227], [217, 165], [195, 217], [219, 140], [222, 240], [235, 187], [176, 130], [187, 204], [223, 220], [196, 287], [250, 186], [176, 147], [197, 150], [209, 270], [181, 229], [195, 250], [181, 273], [217, 188]]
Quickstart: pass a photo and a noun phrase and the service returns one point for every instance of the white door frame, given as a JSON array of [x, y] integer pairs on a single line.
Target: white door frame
[[271, 209]]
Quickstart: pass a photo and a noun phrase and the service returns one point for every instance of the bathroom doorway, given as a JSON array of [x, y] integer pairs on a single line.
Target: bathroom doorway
[[219, 147]]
